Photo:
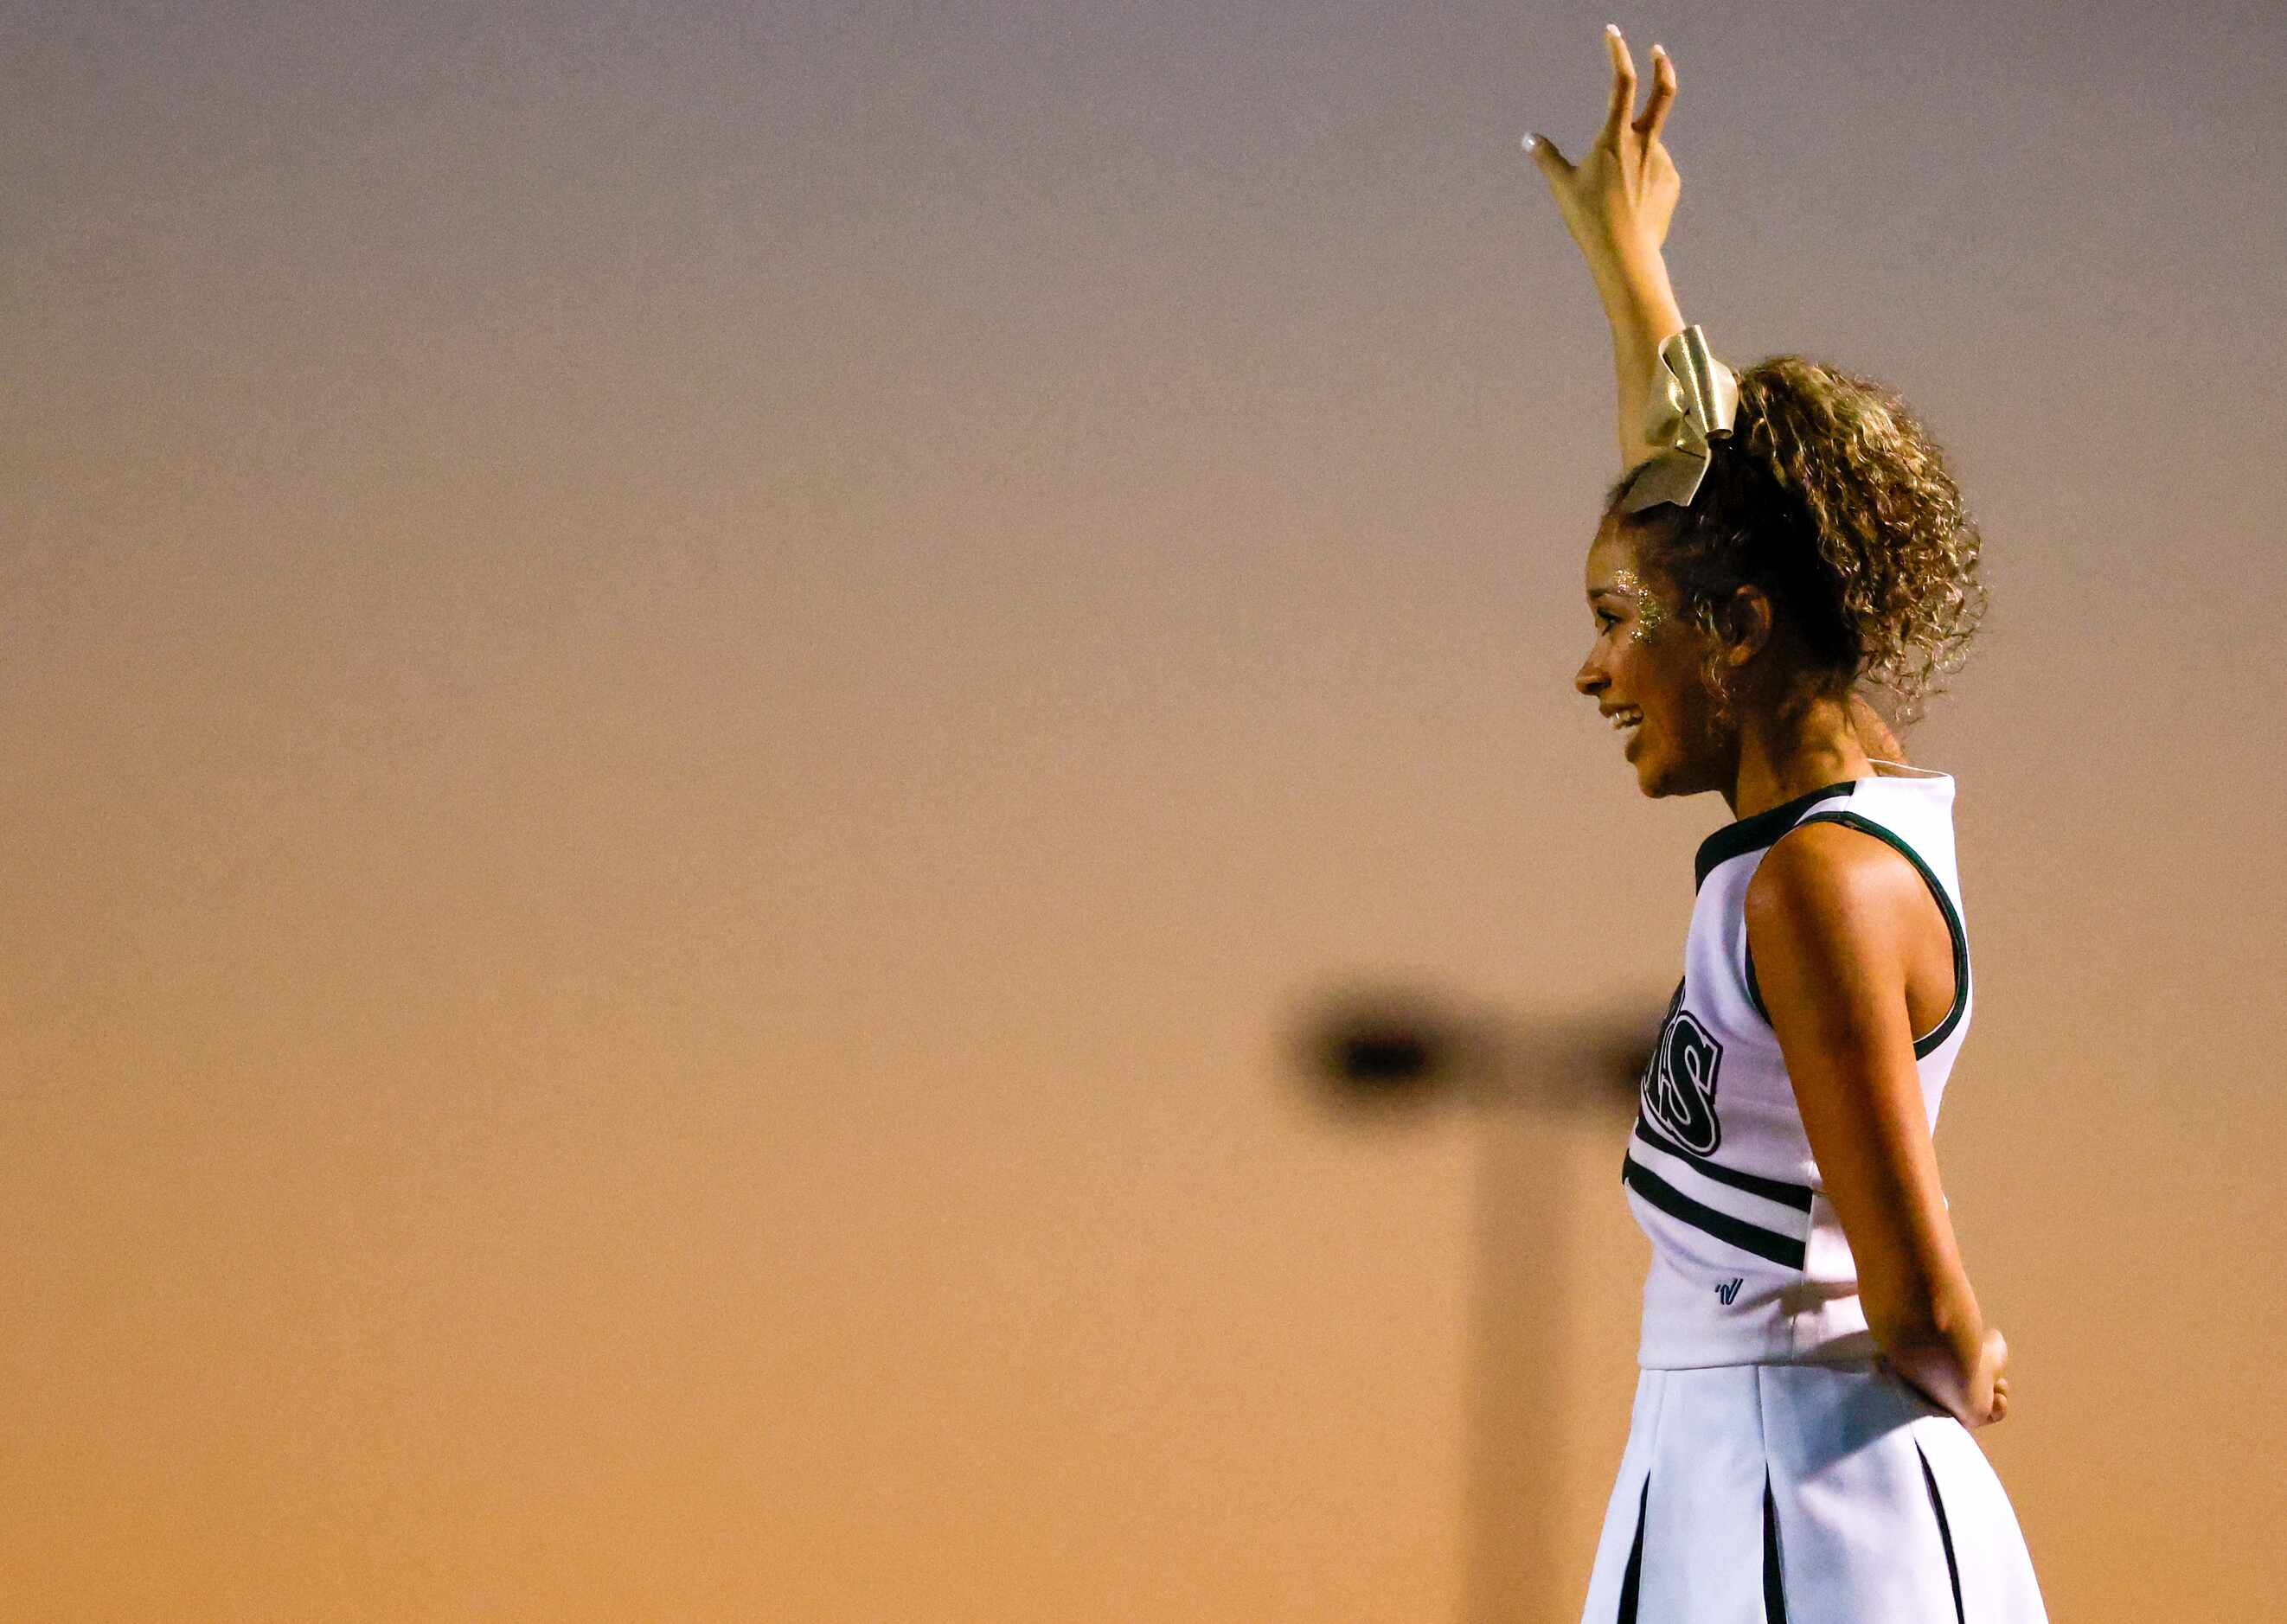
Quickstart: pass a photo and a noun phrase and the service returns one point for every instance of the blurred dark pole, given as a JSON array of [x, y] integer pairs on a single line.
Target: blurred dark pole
[[1389, 1057]]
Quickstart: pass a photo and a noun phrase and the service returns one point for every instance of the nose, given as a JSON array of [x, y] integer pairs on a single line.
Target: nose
[[1590, 679]]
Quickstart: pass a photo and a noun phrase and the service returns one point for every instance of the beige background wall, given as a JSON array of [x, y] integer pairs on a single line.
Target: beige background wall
[[692, 693]]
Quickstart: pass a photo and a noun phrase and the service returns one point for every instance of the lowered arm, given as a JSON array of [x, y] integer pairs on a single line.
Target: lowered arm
[[1832, 917]]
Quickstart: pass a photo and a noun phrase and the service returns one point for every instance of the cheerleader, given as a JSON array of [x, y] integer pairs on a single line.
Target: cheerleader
[[1812, 1357]]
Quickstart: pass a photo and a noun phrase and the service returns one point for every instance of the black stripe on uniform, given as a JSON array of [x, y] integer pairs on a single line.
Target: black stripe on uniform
[[1944, 1534], [1795, 1195], [1632, 1580], [1774, 1584], [1781, 1249]]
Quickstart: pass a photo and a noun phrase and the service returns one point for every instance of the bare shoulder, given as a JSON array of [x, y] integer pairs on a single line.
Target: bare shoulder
[[1826, 885], [1826, 862]]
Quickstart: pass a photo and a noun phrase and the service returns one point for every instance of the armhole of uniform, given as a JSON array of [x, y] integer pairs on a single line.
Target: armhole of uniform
[[1938, 1033]]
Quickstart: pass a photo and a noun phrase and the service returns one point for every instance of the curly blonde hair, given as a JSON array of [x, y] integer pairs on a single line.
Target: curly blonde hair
[[1831, 496]]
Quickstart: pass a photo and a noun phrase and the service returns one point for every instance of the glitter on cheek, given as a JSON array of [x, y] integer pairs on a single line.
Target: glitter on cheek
[[1651, 614]]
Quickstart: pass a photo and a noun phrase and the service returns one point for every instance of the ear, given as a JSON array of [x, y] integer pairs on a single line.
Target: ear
[[1746, 620]]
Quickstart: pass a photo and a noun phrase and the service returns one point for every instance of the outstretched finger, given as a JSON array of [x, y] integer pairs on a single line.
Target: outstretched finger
[[1624, 85], [1543, 153], [1663, 95]]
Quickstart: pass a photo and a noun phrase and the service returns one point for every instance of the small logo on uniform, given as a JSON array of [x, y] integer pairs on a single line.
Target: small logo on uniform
[[1728, 1290]]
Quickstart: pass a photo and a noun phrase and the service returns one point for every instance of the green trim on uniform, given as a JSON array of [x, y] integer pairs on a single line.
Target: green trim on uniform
[[1754, 832]]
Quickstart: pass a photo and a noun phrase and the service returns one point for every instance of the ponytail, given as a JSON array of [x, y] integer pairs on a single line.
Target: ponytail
[[1830, 496]]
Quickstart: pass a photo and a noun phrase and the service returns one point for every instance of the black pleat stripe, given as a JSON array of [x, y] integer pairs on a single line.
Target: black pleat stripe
[[1774, 1585], [1632, 1581], [1786, 1251], [1944, 1534]]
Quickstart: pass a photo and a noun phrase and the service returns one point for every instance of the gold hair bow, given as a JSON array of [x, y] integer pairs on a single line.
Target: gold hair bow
[[1694, 398]]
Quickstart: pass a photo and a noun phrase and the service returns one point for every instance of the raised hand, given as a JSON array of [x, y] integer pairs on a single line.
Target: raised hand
[[1618, 200]]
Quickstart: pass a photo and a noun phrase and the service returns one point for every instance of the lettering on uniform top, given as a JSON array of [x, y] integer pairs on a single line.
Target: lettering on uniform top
[[1678, 1081], [1728, 1292]]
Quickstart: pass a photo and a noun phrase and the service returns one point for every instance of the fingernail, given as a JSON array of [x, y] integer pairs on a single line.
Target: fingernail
[[1613, 29], [1531, 141]]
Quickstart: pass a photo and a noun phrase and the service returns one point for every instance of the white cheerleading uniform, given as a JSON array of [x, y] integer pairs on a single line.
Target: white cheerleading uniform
[[1773, 1469]]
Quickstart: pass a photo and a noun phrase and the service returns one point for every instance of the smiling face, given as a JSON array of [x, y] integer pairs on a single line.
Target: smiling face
[[1646, 672]]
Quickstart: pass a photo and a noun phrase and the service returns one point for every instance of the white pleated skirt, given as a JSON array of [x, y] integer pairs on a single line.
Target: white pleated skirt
[[1810, 1494]]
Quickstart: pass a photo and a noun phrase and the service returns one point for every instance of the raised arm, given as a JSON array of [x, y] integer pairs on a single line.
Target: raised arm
[[1617, 202]]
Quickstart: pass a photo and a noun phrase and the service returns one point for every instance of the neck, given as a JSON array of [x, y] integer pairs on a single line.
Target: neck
[[1788, 753]]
